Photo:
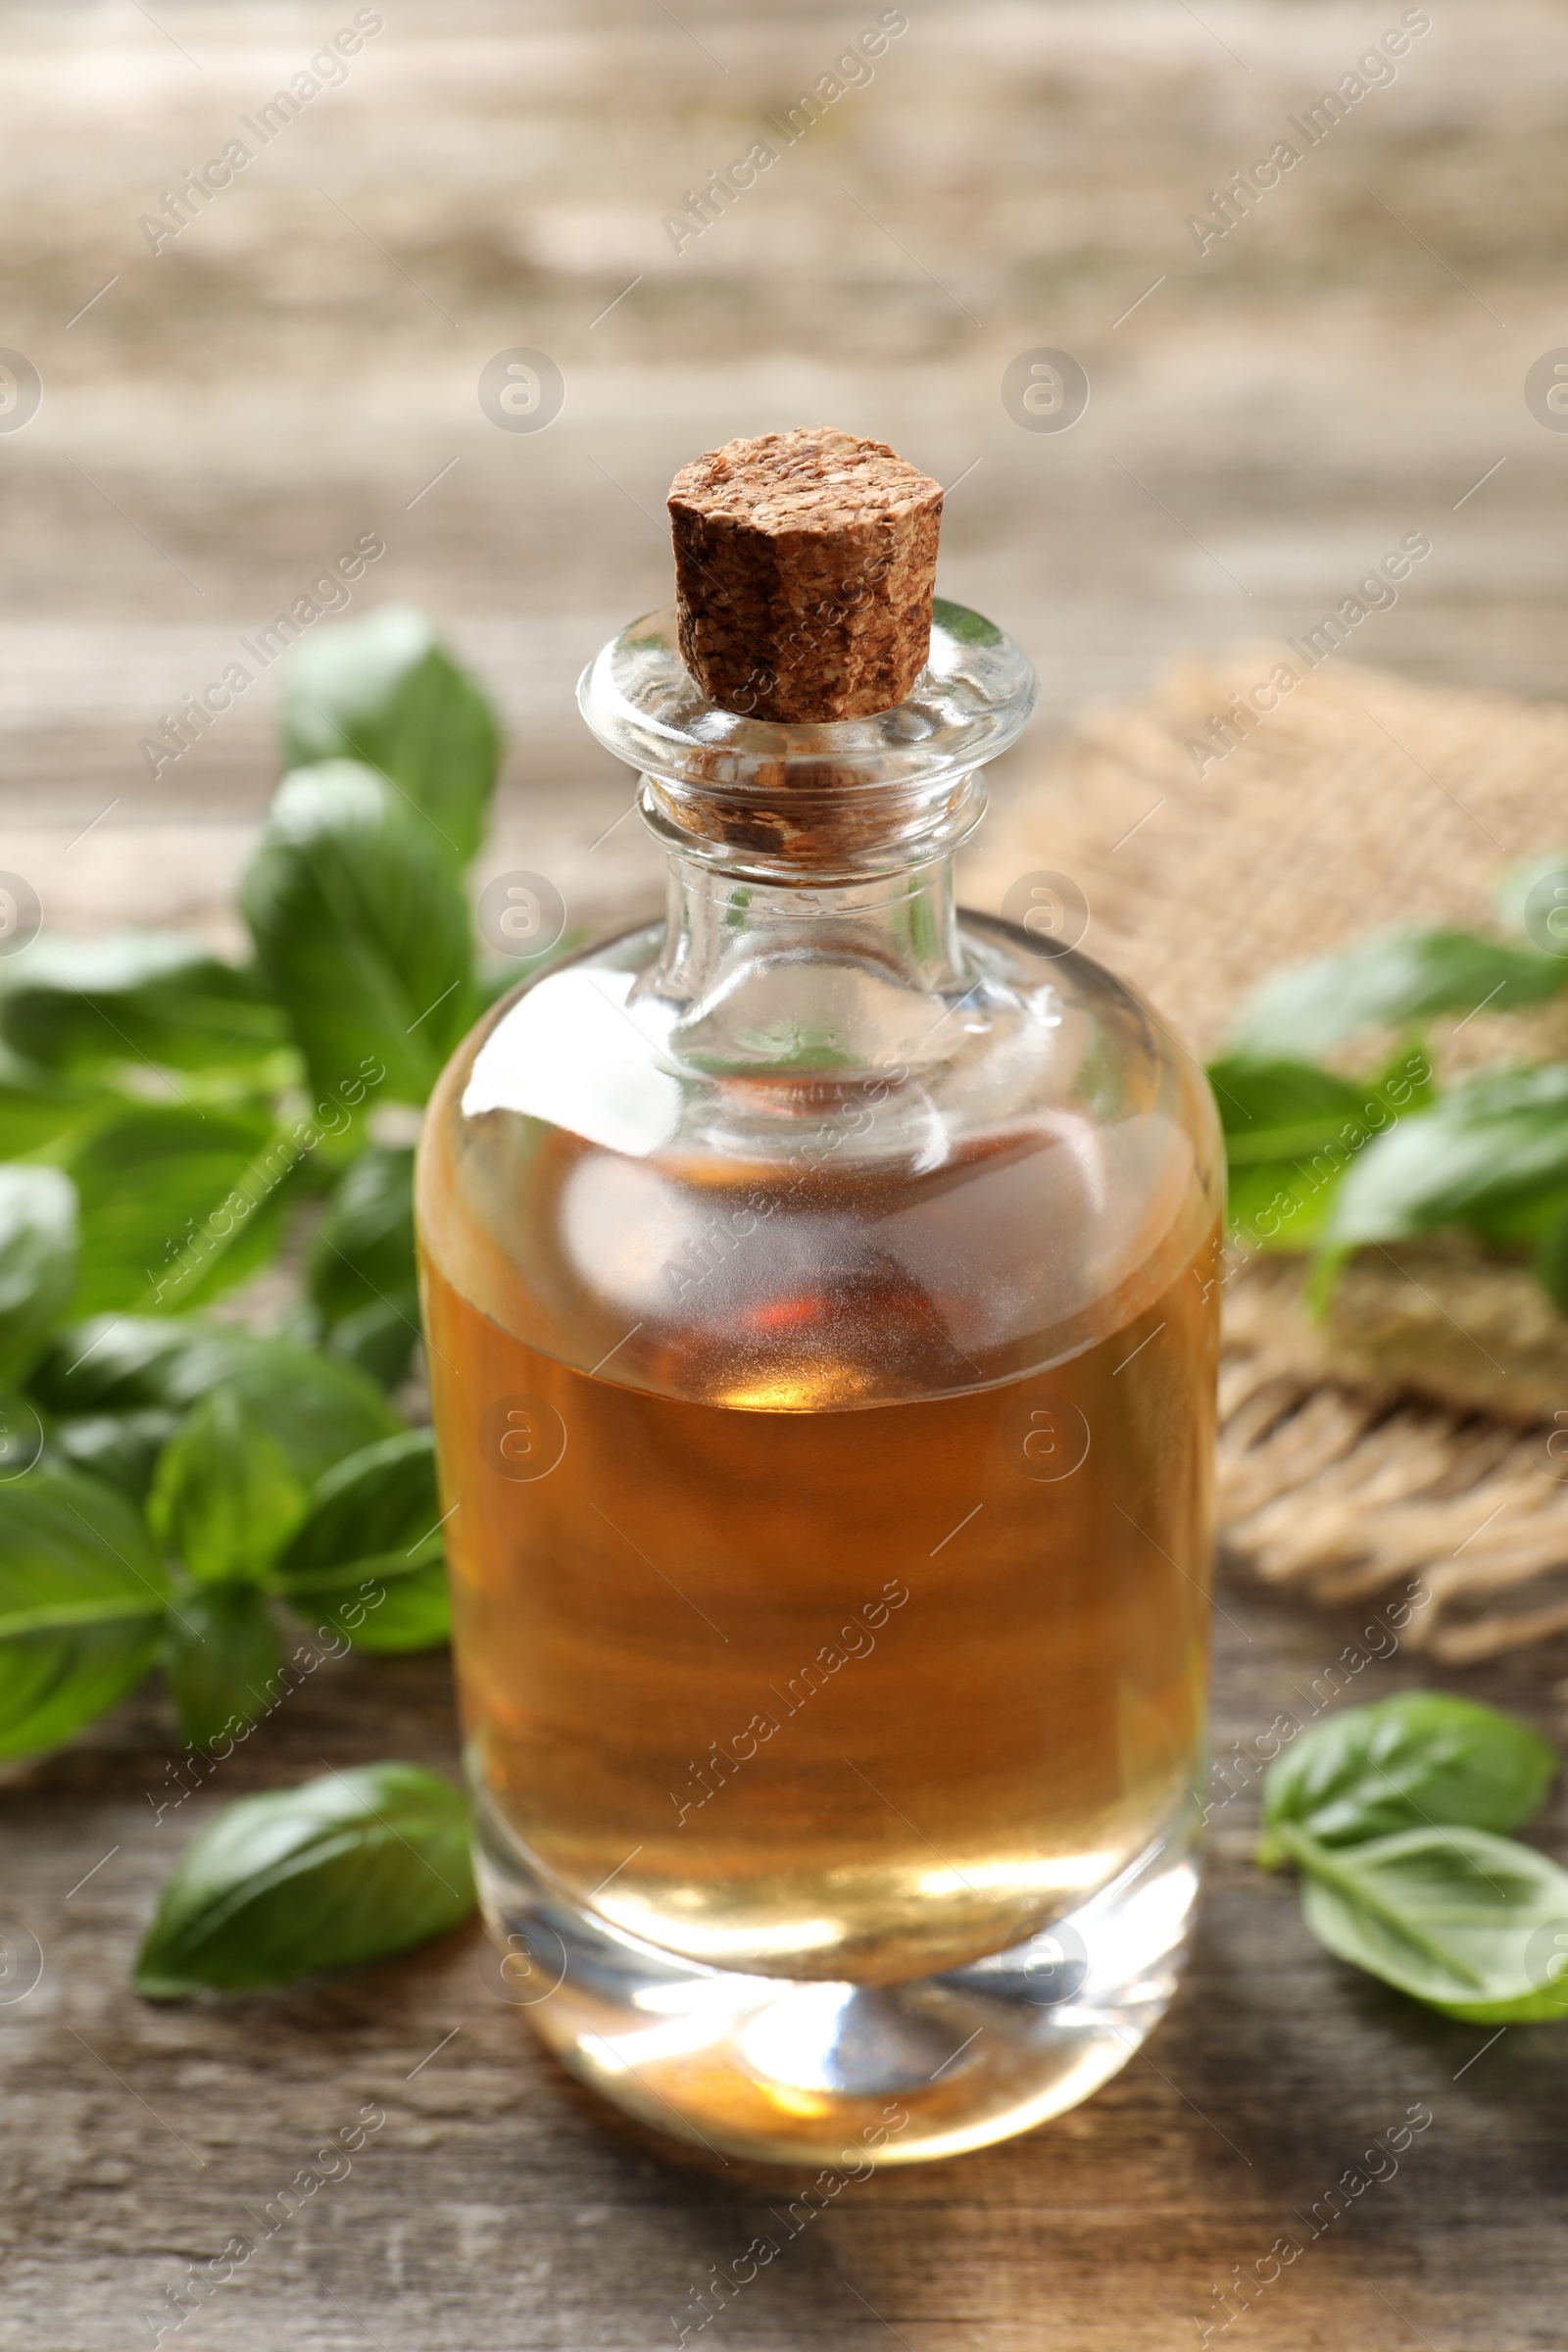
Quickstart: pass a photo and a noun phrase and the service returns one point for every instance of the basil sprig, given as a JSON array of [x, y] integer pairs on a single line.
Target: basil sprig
[[148, 1533], [171, 1491], [1324, 1161], [349, 1868], [1390, 1813]]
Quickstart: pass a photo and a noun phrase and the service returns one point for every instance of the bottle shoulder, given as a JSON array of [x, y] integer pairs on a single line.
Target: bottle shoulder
[[842, 1193]]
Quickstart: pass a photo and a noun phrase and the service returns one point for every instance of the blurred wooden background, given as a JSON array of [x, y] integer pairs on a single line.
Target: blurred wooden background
[[301, 365], [301, 362]]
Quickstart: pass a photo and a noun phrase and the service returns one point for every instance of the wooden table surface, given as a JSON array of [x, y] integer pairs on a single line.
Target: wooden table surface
[[502, 2209], [299, 365]]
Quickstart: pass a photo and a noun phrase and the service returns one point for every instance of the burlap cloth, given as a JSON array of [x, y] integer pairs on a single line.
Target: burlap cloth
[[1413, 1439]]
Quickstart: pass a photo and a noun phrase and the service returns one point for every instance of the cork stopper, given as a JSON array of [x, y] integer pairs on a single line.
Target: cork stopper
[[804, 569]]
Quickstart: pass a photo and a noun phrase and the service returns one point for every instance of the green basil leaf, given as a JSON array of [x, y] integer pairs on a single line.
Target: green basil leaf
[[346, 1868], [1282, 1204], [387, 1607], [361, 1272], [1292, 1130], [378, 1338], [368, 1558], [969, 628], [1518, 1227], [383, 691], [1497, 1139], [110, 1363], [1277, 1109], [1288, 1110], [362, 933], [1401, 1763], [1471, 1923], [121, 1448], [135, 998], [1550, 1260], [25, 1436], [1393, 979], [81, 1605], [177, 1202], [224, 1495], [317, 1409], [37, 1107], [37, 1261], [221, 1655]]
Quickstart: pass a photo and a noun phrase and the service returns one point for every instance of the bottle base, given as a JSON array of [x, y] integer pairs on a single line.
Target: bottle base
[[843, 2075]]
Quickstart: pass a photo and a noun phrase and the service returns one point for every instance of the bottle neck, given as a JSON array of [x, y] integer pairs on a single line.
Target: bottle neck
[[812, 933], [818, 982]]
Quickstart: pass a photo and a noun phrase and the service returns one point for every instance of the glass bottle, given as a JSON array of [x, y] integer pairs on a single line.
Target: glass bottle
[[822, 1328]]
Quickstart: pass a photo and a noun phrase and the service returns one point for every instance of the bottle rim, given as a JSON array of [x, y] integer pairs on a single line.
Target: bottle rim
[[845, 801], [972, 700]]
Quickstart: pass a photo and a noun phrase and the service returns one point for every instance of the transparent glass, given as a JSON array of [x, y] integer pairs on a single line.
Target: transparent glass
[[821, 1312]]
